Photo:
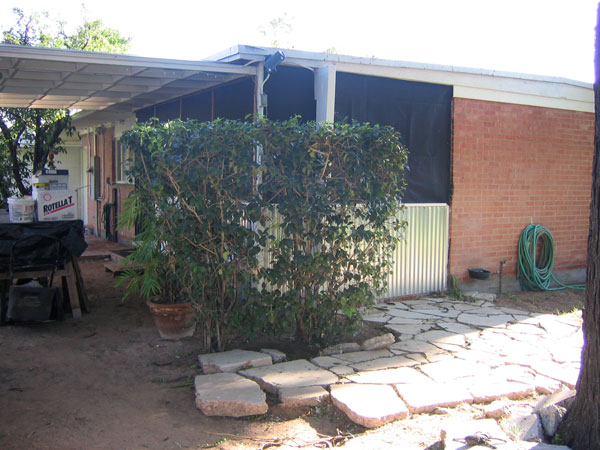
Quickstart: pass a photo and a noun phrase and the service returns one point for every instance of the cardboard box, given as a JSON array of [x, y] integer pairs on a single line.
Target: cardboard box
[[55, 205]]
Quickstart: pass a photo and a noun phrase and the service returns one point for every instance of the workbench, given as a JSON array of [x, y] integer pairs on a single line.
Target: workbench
[[27, 251]]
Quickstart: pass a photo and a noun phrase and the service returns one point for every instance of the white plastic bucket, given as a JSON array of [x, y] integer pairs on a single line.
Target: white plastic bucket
[[21, 210]]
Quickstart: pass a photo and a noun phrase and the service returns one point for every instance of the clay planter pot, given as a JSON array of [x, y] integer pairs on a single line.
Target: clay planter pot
[[174, 321]]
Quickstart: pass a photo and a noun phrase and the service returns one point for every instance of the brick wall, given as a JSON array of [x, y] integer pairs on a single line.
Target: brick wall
[[513, 165], [95, 214]]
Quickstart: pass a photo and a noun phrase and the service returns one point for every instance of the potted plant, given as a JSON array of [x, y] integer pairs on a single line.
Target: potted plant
[[154, 271]]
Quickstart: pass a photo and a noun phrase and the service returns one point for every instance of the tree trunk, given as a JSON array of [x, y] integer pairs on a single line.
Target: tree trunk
[[14, 159], [581, 428]]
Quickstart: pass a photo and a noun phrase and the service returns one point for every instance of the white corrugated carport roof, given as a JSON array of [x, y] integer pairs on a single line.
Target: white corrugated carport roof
[[35, 77]]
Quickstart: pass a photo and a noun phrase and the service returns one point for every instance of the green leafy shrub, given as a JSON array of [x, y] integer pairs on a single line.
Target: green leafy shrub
[[333, 195], [281, 244], [193, 201]]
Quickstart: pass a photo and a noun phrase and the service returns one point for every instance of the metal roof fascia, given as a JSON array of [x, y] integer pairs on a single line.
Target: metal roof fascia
[[318, 59], [81, 57]]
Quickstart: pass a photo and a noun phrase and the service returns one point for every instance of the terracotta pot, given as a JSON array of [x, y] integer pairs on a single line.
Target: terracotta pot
[[174, 321]]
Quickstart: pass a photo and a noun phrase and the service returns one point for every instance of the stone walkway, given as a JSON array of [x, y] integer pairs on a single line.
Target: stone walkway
[[443, 353]]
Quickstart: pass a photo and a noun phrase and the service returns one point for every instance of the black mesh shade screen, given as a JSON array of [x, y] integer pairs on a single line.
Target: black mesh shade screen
[[421, 112]]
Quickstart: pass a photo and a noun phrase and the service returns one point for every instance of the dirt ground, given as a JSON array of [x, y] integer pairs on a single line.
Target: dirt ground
[[547, 302], [110, 382]]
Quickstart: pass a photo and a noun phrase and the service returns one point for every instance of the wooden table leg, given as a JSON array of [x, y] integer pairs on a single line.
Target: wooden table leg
[[83, 300], [73, 294]]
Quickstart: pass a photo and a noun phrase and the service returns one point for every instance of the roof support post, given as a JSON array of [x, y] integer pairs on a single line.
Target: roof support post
[[259, 99], [259, 114], [325, 93]]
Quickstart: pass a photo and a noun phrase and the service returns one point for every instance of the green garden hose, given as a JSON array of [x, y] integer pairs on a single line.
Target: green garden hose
[[535, 271]]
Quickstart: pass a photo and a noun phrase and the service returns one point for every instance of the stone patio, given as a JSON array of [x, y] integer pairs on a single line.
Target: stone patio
[[445, 353]]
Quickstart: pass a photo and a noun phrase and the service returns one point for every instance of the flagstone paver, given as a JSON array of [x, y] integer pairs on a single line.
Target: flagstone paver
[[392, 305], [232, 361], [368, 405], [439, 336], [451, 369], [356, 357], [484, 391], [446, 352], [459, 328], [377, 318], [406, 321], [443, 312], [408, 314], [545, 386], [292, 374], [425, 397], [435, 357], [488, 311], [415, 347], [325, 361], [483, 320], [384, 363], [418, 358], [404, 375], [228, 394], [341, 370], [408, 329], [524, 328], [520, 374], [564, 354], [491, 359], [302, 397], [565, 374]]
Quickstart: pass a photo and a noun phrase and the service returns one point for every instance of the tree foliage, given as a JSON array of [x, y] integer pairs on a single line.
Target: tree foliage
[[38, 30], [282, 245], [278, 31], [27, 135], [40, 130]]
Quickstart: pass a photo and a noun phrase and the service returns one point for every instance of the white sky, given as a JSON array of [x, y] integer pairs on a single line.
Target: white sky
[[546, 37]]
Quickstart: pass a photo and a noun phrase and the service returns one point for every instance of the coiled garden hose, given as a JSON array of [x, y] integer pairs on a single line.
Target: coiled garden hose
[[535, 271]]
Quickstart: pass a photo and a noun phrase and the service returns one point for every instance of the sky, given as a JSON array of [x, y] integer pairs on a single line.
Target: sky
[[543, 37]]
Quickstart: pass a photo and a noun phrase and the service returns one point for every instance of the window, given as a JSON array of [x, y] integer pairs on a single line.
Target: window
[[123, 162]]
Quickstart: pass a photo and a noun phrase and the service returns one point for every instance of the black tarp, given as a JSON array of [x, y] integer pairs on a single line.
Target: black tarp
[[233, 100], [145, 114], [291, 92], [35, 242], [197, 106], [168, 111], [421, 112]]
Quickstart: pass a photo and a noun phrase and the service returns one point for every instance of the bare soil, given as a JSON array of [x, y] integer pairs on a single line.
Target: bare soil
[[547, 302], [110, 382]]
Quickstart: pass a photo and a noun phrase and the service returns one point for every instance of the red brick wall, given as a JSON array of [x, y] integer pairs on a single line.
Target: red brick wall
[[105, 151], [513, 165]]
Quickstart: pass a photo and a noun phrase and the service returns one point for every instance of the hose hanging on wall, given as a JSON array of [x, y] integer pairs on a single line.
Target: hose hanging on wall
[[535, 271]]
